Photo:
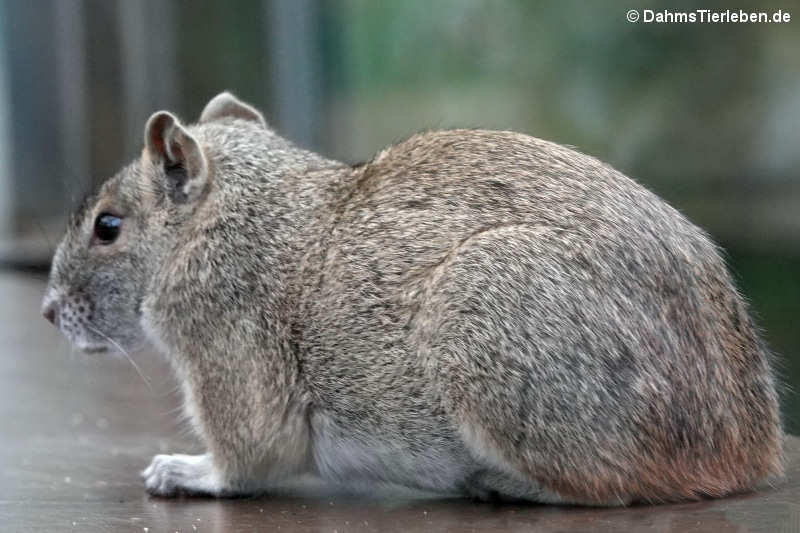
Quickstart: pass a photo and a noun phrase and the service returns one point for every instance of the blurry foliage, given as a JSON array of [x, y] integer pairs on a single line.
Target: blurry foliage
[[669, 102]]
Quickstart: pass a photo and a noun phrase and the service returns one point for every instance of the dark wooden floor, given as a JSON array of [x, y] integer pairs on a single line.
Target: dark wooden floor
[[77, 429]]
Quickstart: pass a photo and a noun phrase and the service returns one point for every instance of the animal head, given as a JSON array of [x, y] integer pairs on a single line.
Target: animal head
[[118, 237]]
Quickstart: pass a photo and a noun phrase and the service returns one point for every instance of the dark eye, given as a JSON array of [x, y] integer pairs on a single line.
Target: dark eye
[[106, 228]]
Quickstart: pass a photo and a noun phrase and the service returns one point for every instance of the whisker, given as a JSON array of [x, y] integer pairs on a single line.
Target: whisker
[[128, 357], [48, 240], [72, 353]]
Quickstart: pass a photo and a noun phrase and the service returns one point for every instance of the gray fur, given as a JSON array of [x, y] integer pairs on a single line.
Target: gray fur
[[472, 312]]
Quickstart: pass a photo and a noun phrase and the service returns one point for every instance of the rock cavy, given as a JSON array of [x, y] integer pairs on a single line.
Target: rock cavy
[[469, 313]]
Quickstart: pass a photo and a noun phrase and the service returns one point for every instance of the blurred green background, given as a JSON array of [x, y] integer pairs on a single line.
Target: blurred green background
[[706, 115]]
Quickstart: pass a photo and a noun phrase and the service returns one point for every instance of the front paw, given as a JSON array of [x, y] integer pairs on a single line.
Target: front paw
[[170, 475]]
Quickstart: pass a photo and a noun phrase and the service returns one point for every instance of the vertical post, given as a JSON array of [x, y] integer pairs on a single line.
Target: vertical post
[[70, 48], [294, 67], [147, 64], [5, 140]]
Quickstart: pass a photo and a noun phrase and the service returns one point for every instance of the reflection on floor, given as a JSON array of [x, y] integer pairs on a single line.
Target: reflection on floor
[[77, 429]]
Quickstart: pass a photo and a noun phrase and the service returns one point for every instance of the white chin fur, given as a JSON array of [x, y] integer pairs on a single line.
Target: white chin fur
[[91, 347]]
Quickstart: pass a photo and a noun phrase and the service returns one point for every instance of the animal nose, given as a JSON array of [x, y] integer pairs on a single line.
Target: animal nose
[[50, 311]]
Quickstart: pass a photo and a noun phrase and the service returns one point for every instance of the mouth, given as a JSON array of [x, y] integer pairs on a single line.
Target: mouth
[[95, 349], [92, 348]]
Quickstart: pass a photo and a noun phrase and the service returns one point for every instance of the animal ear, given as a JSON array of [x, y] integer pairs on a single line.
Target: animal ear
[[168, 143], [226, 105]]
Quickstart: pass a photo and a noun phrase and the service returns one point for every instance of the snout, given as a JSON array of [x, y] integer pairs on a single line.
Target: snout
[[72, 313], [87, 326]]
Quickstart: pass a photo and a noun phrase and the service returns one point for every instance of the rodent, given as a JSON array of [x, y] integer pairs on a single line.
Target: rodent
[[477, 313]]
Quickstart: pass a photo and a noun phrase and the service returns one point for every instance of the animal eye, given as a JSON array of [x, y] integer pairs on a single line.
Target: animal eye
[[106, 228]]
